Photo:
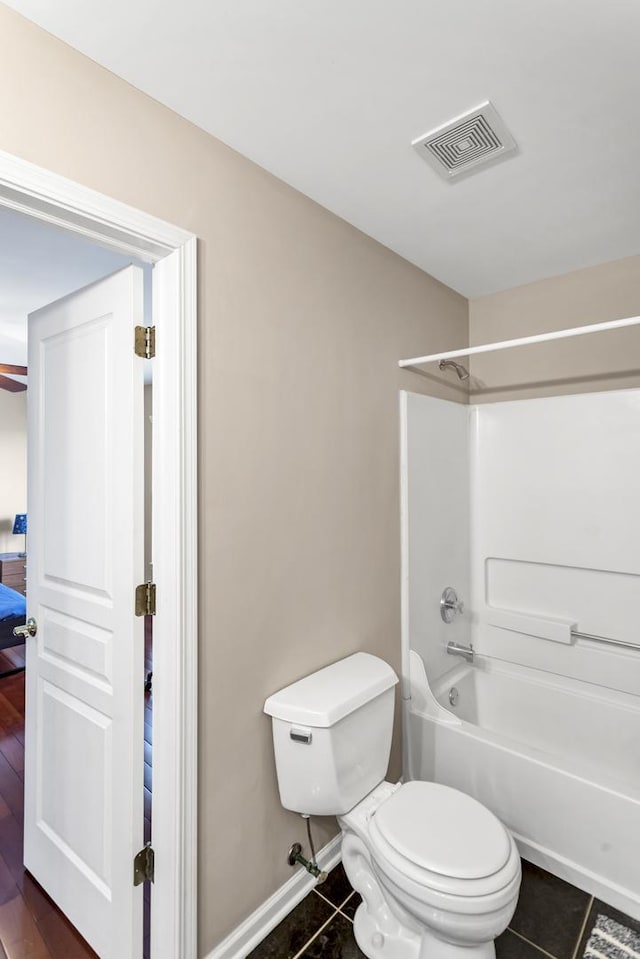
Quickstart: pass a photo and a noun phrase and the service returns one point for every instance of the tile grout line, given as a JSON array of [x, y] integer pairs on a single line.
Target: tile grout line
[[345, 916], [341, 906], [531, 943], [350, 896], [316, 933], [324, 899], [343, 902], [583, 927]]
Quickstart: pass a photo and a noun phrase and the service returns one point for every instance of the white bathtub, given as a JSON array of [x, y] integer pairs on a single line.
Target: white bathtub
[[558, 761]]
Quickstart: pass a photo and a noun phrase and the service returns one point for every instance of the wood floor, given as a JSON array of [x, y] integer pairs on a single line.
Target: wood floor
[[148, 739], [31, 926]]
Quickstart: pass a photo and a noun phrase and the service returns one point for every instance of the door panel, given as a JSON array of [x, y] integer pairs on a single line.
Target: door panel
[[85, 668]]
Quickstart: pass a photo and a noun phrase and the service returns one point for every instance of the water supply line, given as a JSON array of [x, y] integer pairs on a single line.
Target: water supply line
[[310, 838], [295, 856]]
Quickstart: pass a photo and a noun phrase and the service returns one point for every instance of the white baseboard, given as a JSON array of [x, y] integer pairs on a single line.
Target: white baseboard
[[259, 924]]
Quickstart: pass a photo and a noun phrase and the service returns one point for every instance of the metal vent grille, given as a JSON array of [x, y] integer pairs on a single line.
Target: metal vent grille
[[463, 144]]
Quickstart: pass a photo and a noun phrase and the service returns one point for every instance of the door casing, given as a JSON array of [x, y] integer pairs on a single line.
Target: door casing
[[55, 199]]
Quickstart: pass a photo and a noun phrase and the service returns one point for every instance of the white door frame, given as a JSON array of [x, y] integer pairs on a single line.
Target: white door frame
[[54, 199]]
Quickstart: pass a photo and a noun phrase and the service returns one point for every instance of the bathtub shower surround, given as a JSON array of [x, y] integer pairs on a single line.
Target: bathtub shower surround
[[529, 509]]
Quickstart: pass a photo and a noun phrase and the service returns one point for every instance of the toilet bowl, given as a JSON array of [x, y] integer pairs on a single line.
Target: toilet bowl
[[438, 873]]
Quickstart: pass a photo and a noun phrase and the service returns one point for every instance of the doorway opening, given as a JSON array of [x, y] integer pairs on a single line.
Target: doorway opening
[[82, 211], [39, 265]]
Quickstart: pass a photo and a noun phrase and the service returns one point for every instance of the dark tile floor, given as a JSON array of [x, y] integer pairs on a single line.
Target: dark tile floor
[[553, 919]]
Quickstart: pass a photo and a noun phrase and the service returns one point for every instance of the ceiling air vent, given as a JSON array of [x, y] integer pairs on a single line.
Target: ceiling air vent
[[474, 139]]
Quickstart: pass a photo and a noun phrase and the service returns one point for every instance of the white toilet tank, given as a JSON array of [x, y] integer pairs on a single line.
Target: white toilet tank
[[332, 735]]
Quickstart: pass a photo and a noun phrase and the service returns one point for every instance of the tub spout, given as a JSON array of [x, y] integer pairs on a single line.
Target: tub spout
[[455, 649]]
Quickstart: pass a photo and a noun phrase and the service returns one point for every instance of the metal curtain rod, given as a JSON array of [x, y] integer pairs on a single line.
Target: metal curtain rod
[[604, 639], [523, 341]]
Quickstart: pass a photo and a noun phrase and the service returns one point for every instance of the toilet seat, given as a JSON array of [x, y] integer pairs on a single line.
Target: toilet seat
[[443, 830], [434, 842]]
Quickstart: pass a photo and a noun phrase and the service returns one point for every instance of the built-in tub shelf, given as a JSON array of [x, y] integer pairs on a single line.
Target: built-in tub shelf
[[556, 630]]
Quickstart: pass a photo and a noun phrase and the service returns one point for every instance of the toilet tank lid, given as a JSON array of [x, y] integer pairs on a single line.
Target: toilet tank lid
[[325, 697]]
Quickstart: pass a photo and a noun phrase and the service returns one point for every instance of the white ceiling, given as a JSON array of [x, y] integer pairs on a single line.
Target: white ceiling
[[39, 263], [328, 95]]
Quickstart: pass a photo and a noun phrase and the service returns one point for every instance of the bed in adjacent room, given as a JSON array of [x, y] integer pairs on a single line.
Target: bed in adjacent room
[[13, 610]]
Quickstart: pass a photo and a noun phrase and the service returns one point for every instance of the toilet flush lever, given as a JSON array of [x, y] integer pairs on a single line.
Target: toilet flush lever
[[301, 736], [450, 605]]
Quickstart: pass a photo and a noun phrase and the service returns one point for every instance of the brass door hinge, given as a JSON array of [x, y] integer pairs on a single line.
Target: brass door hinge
[[145, 342], [146, 599], [144, 865]]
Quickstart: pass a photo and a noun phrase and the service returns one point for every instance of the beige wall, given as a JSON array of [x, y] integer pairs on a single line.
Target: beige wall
[[302, 321], [600, 361], [13, 475]]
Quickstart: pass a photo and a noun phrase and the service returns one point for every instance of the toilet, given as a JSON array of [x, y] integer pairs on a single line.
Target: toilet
[[438, 873]]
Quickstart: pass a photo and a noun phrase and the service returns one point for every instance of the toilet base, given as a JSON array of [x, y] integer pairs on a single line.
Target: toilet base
[[391, 923], [395, 942], [398, 942]]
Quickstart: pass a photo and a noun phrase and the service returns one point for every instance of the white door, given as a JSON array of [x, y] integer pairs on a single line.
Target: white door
[[85, 666]]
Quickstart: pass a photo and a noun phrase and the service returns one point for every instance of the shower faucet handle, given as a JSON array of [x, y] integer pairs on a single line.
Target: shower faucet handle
[[450, 605], [467, 652]]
